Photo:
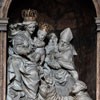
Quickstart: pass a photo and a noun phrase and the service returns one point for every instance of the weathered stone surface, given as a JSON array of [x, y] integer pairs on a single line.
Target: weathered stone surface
[[2, 65], [97, 11], [98, 66]]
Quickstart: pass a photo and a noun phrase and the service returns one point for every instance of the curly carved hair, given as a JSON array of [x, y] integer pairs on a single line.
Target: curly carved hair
[[45, 26]]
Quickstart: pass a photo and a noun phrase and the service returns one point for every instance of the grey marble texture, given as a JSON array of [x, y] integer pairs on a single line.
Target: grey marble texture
[[40, 71]]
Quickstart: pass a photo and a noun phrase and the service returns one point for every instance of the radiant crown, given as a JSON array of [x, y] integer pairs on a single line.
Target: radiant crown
[[29, 14]]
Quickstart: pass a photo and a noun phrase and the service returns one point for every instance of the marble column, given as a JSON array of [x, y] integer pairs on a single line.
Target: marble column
[[98, 60], [3, 49]]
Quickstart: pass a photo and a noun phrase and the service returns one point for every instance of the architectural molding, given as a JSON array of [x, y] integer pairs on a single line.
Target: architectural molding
[[98, 59], [3, 24], [98, 23], [4, 9]]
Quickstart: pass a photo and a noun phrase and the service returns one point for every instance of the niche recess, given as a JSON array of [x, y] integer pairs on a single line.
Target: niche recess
[[79, 16]]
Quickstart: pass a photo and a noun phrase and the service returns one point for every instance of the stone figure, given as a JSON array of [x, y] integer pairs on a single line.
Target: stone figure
[[80, 91], [66, 52], [38, 70], [59, 62], [15, 28], [39, 43], [48, 91], [52, 44], [64, 56], [39, 53], [22, 37], [51, 49], [23, 78]]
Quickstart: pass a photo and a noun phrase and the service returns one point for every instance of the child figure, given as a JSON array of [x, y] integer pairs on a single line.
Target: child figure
[[52, 45], [51, 49], [39, 53]]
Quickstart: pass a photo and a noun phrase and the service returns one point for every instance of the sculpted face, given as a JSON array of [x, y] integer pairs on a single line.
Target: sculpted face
[[53, 40], [31, 28], [63, 45], [41, 34]]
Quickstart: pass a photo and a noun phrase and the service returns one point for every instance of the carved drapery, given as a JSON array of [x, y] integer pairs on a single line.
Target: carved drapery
[[3, 35]]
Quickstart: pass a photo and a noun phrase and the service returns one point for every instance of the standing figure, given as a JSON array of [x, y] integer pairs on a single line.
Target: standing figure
[[23, 78]]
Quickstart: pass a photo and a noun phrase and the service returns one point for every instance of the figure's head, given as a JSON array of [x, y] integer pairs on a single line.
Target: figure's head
[[41, 34], [66, 35], [44, 28], [29, 16], [30, 26], [53, 38], [79, 86], [65, 38], [62, 45]]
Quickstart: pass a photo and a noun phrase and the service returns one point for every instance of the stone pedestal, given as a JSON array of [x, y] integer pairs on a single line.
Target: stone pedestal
[[3, 49]]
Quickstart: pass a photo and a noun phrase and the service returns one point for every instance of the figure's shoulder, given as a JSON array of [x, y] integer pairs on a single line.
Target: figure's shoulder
[[73, 50], [20, 35], [15, 59]]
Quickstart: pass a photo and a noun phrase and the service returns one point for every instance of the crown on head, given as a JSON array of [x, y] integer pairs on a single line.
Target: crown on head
[[45, 26], [29, 14]]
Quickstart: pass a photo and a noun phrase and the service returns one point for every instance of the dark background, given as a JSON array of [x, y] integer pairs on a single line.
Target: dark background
[[79, 15]]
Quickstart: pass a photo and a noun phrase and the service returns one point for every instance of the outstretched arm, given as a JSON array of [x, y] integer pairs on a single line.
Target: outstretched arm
[[66, 65]]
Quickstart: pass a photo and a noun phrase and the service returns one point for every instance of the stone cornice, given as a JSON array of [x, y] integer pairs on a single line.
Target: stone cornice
[[3, 24], [98, 23]]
